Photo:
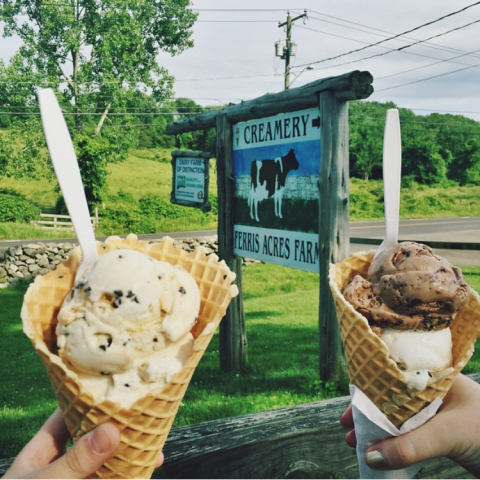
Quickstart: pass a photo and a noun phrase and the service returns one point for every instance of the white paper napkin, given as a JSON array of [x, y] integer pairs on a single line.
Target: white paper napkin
[[371, 426]]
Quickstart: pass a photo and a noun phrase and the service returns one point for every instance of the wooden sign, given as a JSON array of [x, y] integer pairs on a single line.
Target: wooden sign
[[276, 164], [190, 179], [280, 232]]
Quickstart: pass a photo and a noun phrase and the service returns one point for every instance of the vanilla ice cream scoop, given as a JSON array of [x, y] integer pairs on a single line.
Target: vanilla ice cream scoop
[[125, 326], [421, 356]]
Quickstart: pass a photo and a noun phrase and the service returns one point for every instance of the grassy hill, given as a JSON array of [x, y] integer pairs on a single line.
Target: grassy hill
[[144, 172], [417, 201], [149, 172]]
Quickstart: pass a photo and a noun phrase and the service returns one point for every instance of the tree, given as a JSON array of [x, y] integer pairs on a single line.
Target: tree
[[366, 124], [435, 148], [98, 55]]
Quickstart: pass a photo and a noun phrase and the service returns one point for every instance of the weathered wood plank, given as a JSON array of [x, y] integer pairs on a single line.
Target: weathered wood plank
[[233, 336], [305, 441], [54, 215], [349, 86], [333, 227]]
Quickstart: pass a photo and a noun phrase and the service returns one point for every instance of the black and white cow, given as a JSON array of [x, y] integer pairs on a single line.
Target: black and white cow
[[268, 180]]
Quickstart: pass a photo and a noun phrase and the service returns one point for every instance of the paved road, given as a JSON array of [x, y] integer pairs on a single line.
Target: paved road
[[453, 231], [466, 230]]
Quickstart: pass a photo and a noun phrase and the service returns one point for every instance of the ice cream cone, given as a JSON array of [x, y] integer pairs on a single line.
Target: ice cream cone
[[369, 365], [144, 427]]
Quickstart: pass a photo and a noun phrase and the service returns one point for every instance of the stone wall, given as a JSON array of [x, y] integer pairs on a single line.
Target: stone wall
[[37, 258]]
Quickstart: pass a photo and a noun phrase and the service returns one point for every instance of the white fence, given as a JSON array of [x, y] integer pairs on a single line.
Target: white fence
[[60, 222]]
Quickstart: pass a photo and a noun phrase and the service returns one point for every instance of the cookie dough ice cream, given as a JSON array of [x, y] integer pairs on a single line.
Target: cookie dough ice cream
[[410, 297], [125, 326]]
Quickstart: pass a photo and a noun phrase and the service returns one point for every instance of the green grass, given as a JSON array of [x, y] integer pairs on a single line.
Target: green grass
[[148, 171], [21, 231], [281, 307], [145, 172], [417, 201], [472, 276], [26, 397]]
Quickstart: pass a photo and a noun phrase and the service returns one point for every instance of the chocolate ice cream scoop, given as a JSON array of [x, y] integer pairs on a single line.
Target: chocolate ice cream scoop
[[409, 288]]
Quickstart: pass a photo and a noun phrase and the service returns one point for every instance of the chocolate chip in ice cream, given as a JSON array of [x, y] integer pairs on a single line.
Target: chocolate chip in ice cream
[[120, 317]]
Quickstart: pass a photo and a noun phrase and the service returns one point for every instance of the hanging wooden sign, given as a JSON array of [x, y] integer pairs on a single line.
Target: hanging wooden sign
[[190, 179]]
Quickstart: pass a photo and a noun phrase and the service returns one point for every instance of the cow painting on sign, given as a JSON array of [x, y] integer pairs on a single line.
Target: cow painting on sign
[[268, 179]]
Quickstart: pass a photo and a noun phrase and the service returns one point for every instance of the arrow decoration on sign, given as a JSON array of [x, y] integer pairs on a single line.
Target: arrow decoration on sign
[[316, 122]]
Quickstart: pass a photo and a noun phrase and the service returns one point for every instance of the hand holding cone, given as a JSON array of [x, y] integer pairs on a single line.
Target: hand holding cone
[[145, 427], [369, 365]]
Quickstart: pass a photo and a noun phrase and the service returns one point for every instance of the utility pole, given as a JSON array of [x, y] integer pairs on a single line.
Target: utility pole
[[290, 49]]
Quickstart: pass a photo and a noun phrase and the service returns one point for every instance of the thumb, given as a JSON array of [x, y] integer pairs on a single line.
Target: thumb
[[87, 455], [399, 452]]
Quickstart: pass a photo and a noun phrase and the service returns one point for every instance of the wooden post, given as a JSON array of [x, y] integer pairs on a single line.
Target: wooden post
[[333, 226], [233, 338]]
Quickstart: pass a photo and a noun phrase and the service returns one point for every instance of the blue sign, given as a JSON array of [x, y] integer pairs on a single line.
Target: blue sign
[[276, 165]]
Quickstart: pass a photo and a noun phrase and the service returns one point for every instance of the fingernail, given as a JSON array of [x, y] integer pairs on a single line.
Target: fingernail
[[100, 441], [375, 459]]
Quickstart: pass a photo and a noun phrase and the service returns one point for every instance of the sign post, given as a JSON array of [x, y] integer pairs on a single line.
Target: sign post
[[233, 337]]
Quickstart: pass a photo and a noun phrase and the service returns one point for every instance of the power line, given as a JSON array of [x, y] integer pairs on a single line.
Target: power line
[[79, 114], [396, 36], [440, 111], [400, 49], [429, 78], [414, 122], [251, 10], [33, 82], [426, 66], [385, 48], [430, 44], [237, 21], [352, 117]]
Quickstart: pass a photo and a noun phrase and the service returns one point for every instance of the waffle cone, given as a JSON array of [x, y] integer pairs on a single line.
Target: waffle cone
[[369, 366], [145, 426]]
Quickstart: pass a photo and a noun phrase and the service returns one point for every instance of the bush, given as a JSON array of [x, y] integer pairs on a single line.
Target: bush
[[151, 214], [213, 201], [365, 204], [61, 206], [11, 191], [14, 207], [154, 206], [120, 215], [408, 181]]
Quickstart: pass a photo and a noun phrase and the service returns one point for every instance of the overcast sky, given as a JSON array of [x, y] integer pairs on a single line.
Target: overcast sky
[[234, 57]]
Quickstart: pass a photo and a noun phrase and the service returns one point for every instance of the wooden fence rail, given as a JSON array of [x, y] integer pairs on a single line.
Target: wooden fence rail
[[60, 222], [305, 441], [54, 221]]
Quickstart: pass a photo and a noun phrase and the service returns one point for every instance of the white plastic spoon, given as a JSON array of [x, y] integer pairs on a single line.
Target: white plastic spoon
[[65, 163], [392, 168]]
